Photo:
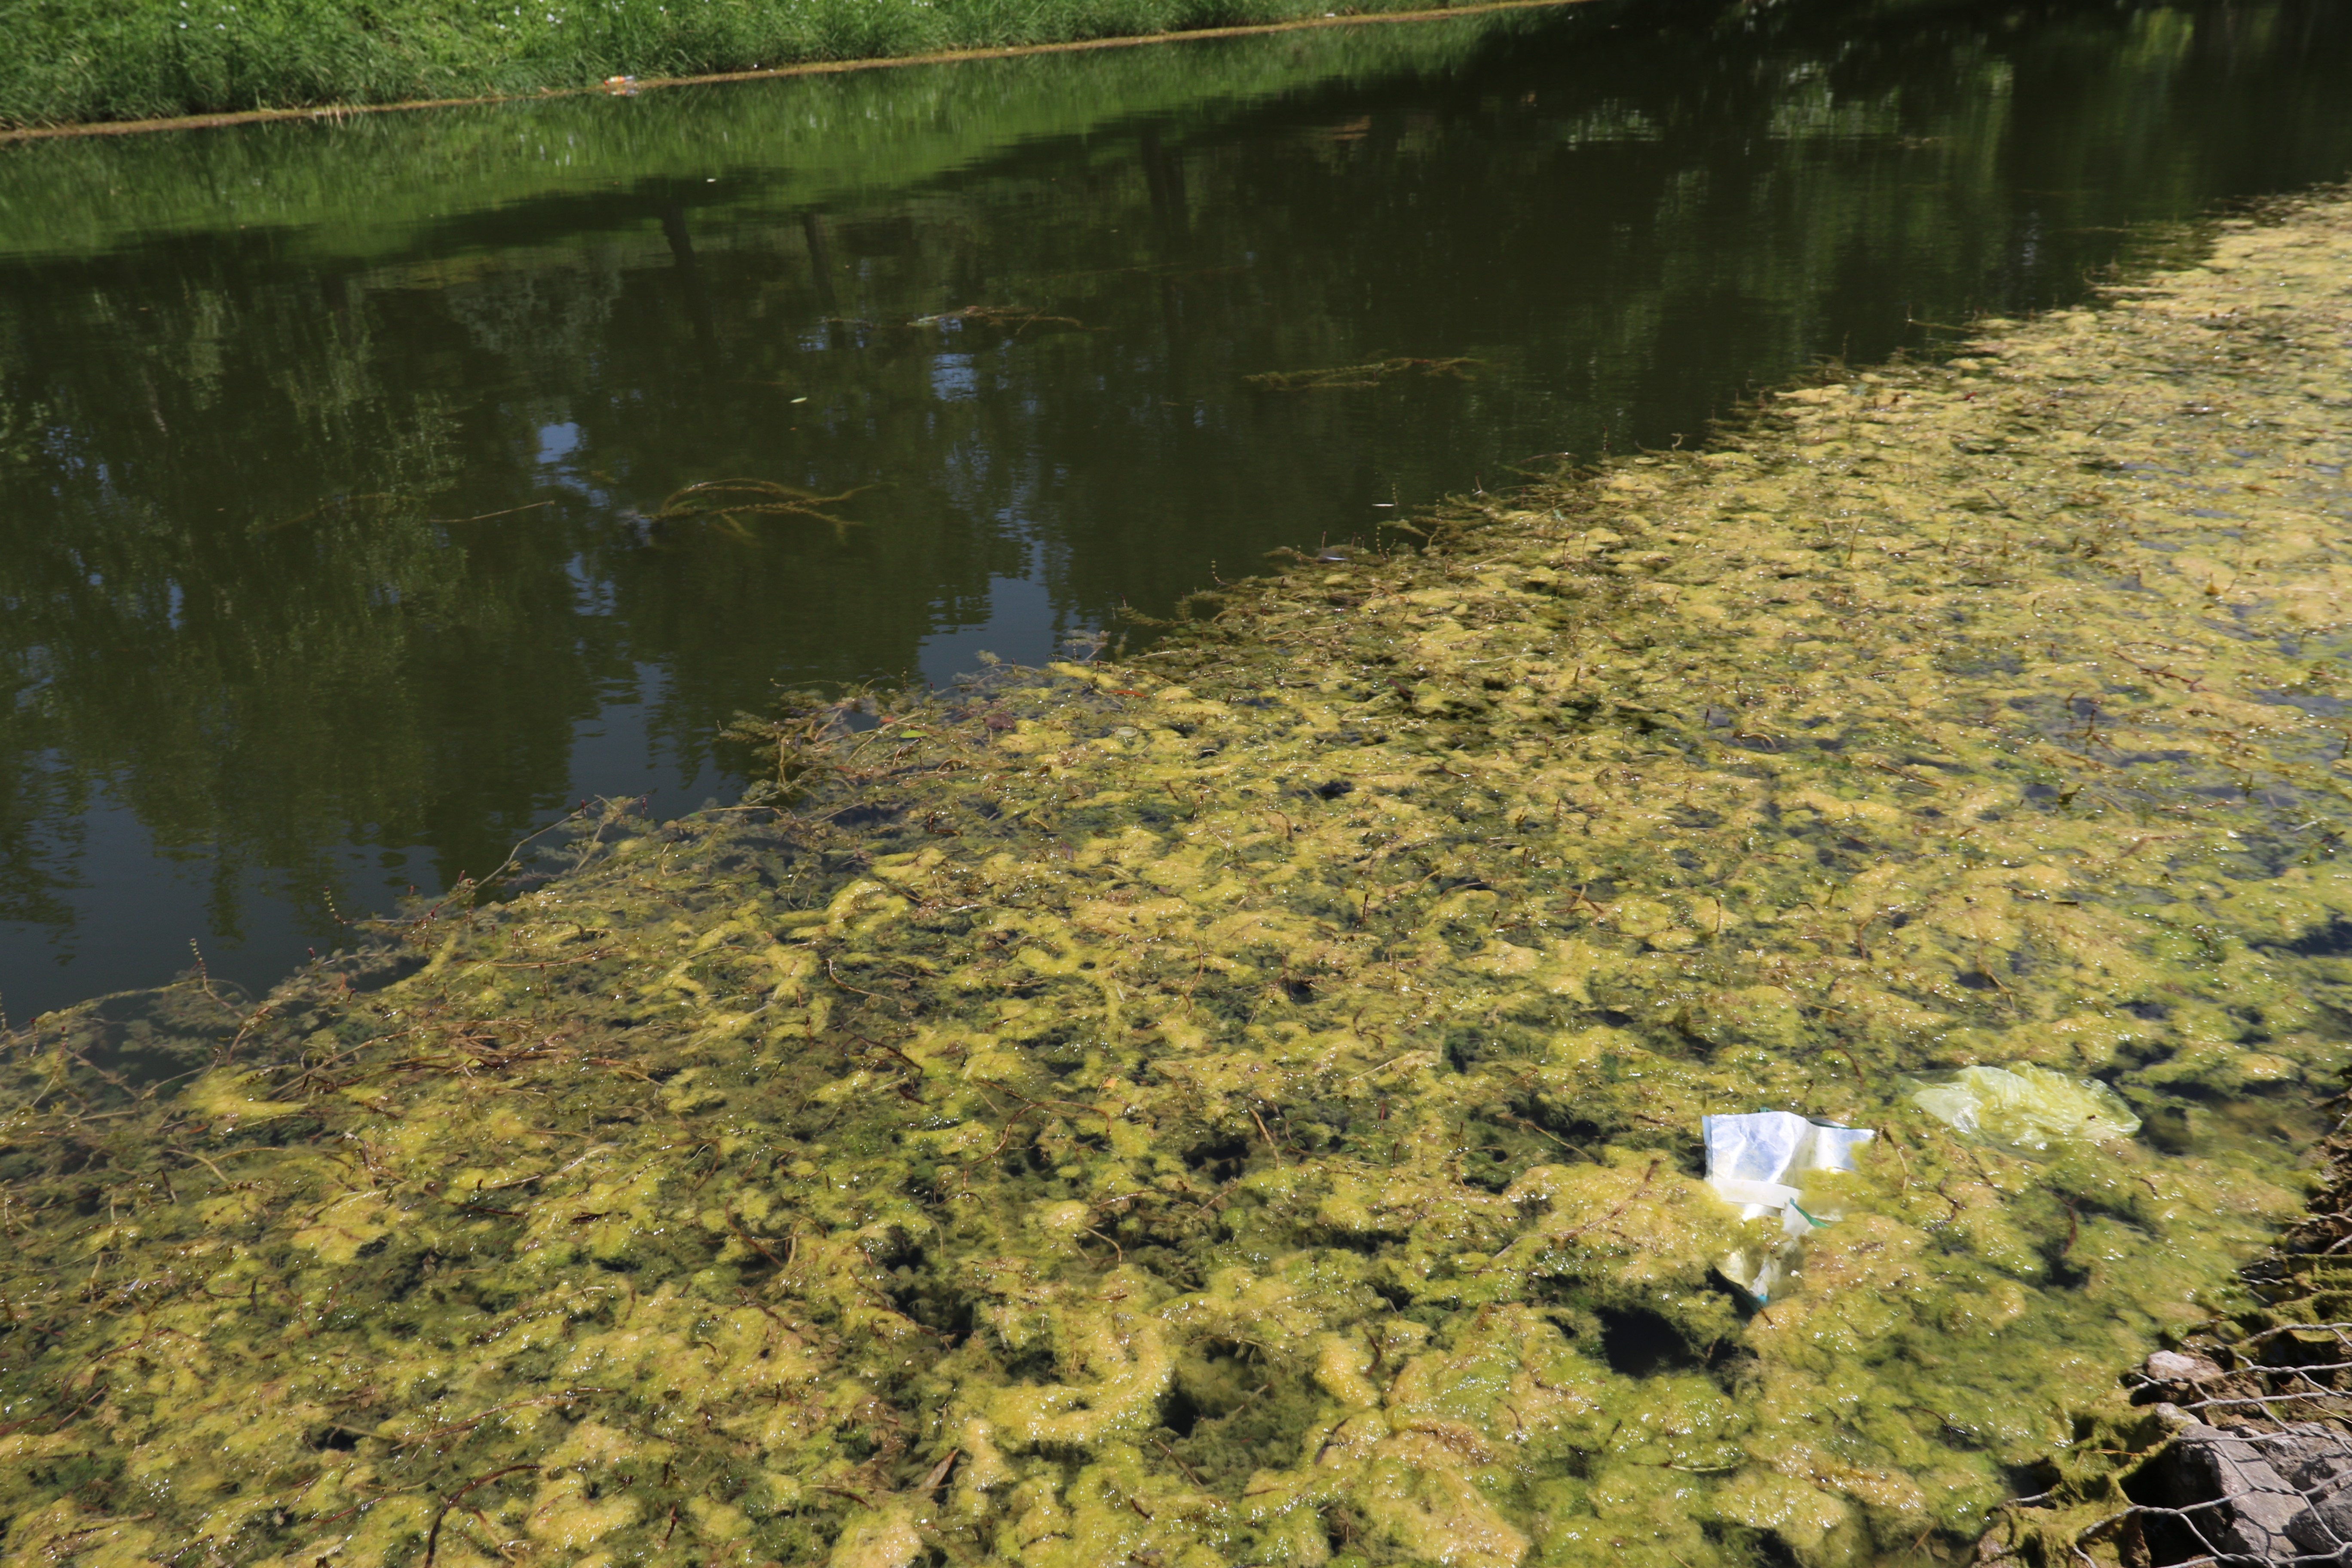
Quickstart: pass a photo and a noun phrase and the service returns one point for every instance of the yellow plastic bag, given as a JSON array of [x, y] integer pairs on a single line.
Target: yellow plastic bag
[[2028, 1106]]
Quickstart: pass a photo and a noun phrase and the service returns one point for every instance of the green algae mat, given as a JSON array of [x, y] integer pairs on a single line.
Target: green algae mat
[[1241, 1104]]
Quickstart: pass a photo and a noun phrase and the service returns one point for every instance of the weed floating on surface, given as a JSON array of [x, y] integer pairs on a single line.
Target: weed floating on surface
[[1346, 377], [728, 501]]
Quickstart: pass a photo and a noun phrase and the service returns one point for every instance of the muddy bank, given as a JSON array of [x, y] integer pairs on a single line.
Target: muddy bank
[[1241, 1104]]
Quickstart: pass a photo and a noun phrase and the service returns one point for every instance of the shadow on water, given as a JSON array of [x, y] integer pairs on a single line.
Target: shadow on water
[[343, 467]]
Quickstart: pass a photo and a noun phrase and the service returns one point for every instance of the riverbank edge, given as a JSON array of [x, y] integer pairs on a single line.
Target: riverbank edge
[[1404, 687], [1430, 11]]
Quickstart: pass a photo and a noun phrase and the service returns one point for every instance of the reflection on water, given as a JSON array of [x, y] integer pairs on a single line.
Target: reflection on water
[[348, 472]]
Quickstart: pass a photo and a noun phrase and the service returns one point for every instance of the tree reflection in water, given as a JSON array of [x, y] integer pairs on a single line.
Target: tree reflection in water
[[339, 539]]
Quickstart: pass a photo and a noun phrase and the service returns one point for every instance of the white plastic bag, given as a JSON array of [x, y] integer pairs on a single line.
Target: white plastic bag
[[1758, 1161]]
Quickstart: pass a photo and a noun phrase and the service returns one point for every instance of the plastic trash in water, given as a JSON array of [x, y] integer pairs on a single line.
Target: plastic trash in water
[[1758, 1161], [2027, 1106]]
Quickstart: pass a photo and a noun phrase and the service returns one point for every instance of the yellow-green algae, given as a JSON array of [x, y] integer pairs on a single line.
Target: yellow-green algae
[[1241, 1105], [2276, 1361]]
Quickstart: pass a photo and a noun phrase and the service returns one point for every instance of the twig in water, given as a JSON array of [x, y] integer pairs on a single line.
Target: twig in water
[[433, 1536], [485, 517]]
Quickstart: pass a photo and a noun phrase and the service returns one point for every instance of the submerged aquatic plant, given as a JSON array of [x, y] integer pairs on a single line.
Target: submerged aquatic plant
[[800, 741], [1241, 1104], [1020, 318], [1336, 378], [729, 501]]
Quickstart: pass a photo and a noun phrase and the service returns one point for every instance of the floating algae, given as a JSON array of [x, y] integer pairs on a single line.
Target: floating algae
[[2263, 1481], [1343, 377], [729, 501], [1020, 318], [1241, 1105]]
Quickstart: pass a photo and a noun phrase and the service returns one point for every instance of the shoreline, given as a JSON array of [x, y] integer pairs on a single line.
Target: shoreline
[[1241, 1103], [1437, 9]]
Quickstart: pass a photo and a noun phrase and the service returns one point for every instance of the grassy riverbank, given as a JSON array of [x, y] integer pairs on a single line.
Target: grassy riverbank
[[71, 61], [1241, 1104], [362, 190]]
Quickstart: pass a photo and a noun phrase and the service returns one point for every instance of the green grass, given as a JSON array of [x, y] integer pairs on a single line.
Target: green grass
[[363, 190], [74, 60]]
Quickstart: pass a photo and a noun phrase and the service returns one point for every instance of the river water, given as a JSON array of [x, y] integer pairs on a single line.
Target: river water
[[341, 462]]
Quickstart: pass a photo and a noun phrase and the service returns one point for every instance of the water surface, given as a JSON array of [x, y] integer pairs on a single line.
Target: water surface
[[333, 458]]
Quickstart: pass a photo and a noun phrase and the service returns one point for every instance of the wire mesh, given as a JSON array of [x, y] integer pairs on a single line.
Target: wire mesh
[[2244, 1449]]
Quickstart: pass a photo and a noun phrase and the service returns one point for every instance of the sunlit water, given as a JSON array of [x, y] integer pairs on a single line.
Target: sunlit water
[[333, 458]]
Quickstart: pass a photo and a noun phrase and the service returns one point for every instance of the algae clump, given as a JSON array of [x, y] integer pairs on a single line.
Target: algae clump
[[1241, 1105]]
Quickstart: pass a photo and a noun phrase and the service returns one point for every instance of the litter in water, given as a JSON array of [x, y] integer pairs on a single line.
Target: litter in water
[[2027, 1106], [1760, 1161]]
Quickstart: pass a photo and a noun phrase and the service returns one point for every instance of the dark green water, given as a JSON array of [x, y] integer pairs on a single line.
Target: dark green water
[[258, 677]]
